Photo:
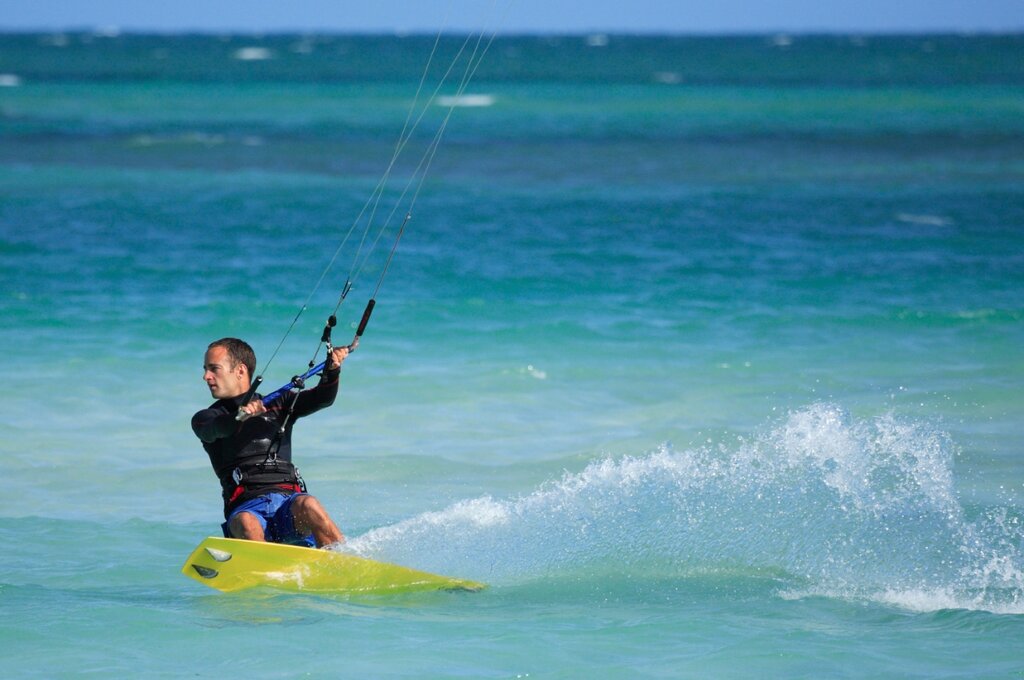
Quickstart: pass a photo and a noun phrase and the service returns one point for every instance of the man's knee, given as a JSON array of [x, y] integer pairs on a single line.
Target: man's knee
[[311, 517], [246, 525], [306, 506]]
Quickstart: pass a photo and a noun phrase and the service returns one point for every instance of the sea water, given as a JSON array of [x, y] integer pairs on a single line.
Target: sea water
[[704, 353]]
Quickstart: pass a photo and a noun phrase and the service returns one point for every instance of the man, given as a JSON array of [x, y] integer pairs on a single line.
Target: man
[[265, 499]]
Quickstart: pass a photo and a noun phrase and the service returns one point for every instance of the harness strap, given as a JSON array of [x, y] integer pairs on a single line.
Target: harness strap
[[239, 490], [273, 474]]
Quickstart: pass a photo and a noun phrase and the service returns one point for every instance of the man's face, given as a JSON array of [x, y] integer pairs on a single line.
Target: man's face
[[224, 378]]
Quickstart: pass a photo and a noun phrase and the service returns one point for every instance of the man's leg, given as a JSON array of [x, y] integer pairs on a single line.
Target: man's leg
[[311, 518], [246, 525]]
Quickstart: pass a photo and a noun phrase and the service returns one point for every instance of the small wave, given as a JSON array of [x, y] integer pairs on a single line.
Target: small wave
[[466, 100], [188, 138], [863, 509], [529, 370], [55, 40], [924, 220], [253, 54], [919, 600], [922, 600], [9, 80]]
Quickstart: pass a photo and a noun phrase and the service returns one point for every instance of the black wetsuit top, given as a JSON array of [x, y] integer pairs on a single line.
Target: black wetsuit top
[[247, 445]]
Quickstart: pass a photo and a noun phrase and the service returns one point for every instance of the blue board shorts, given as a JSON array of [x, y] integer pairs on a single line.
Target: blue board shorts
[[274, 512]]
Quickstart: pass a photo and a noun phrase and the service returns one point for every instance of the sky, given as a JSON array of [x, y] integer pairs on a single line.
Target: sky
[[516, 16]]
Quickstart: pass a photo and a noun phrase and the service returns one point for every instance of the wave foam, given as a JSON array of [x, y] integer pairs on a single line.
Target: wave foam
[[864, 509]]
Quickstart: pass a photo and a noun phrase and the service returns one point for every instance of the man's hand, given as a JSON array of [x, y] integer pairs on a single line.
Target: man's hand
[[253, 408], [336, 358]]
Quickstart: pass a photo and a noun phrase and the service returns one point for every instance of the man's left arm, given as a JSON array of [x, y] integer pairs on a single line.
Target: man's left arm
[[324, 393]]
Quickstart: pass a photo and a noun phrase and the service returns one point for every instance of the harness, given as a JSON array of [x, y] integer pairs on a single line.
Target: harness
[[255, 473], [279, 473]]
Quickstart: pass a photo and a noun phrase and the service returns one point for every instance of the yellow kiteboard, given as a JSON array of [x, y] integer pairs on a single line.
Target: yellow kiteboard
[[230, 564]]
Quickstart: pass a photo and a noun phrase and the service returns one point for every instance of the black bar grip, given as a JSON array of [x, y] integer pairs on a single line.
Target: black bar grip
[[366, 317], [252, 389], [248, 395], [331, 323]]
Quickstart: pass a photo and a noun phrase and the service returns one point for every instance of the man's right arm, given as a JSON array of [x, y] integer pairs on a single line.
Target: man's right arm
[[212, 424]]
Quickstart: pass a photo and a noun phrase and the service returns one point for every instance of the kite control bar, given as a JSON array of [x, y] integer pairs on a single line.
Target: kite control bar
[[299, 381]]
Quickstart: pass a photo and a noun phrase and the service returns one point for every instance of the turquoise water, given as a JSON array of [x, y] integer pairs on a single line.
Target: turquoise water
[[705, 354]]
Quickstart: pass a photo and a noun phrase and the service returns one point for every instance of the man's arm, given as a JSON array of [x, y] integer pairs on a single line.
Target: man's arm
[[323, 395], [212, 424]]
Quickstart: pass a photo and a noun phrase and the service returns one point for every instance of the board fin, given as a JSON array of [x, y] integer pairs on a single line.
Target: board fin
[[219, 555], [205, 572]]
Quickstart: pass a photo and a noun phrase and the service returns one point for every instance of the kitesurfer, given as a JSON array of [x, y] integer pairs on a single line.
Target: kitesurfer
[[265, 499]]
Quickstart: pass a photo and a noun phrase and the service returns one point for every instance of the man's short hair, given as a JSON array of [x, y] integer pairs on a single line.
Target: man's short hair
[[239, 351]]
